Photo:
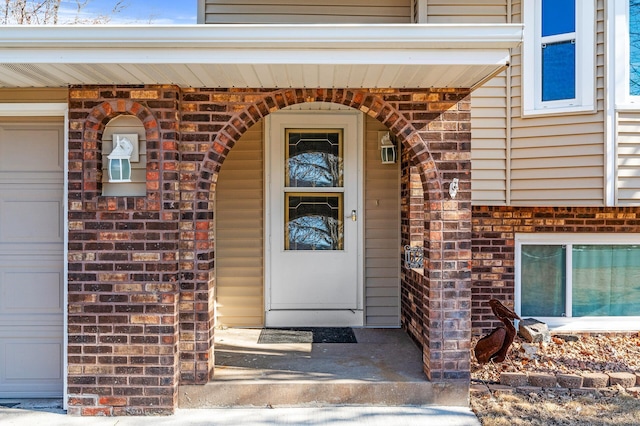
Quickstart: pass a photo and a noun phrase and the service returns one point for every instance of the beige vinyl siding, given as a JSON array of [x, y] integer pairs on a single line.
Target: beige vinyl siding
[[240, 233], [628, 158], [125, 124], [558, 160], [467, 11], [382, 233], [489, 145], [305, 11]]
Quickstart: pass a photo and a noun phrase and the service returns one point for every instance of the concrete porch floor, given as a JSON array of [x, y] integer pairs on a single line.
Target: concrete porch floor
[[383, 368]]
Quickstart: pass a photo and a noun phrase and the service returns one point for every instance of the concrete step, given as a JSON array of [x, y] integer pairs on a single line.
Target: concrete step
[[384, 367], [300, 393]]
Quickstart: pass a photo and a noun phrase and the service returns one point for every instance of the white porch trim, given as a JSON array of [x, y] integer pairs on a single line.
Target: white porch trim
[[274, 56]]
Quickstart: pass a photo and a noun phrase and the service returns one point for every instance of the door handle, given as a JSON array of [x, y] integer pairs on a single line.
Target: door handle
[[354, 215]]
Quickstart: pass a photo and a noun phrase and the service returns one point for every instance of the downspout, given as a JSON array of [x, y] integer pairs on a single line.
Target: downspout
[[610, 181]]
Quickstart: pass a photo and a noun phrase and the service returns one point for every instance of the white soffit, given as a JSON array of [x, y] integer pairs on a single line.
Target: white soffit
[[271, 56]]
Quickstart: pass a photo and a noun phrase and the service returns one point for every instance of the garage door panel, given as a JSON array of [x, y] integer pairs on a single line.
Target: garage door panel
[[20, 146], [31, 259], [34, 292], [33, 361], [31, 365], [30, 214]]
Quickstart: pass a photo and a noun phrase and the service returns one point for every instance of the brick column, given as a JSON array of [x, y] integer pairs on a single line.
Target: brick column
[[437, 302], [123, 266]]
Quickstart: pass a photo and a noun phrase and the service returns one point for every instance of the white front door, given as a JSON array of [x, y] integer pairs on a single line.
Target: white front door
[[313, 274], [31, 259]]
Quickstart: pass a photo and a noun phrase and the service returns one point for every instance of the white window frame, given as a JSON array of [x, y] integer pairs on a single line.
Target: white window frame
[[532, 62], [620, 25], [585, 323]]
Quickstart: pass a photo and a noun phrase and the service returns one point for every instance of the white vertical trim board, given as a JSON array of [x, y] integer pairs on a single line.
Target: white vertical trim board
[[610, 120]]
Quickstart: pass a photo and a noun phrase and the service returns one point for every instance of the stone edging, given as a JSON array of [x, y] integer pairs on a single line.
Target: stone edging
[[564, 383]]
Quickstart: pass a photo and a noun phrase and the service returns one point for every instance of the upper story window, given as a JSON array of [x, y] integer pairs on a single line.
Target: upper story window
[[558, 56], [634, 47], [627, 52]]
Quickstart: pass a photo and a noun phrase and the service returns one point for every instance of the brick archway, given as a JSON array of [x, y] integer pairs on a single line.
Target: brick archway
[[409, 115]]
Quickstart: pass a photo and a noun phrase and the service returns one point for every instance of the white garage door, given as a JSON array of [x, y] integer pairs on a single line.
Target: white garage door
[[31, 258]]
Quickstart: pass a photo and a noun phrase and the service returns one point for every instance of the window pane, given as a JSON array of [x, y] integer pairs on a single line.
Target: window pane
[[543, 281], [558, 17], [558, 71], [634, 48], [314, 222], [314, 159], [606, 280]]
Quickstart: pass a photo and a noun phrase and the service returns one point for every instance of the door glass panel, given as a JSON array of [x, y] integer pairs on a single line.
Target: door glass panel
[[314, 222], [314, 158]]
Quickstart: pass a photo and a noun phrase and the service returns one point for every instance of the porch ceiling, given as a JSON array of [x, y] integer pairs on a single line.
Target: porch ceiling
[[270, 56]]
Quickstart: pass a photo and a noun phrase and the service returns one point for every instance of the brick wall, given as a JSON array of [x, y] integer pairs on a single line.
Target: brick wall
[[494, 230], [141, 269]]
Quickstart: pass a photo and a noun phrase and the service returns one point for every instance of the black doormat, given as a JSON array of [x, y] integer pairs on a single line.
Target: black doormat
[[307, 335]]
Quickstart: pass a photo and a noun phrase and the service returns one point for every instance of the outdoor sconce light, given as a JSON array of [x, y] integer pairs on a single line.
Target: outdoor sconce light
[[120, 157], [387, 148]]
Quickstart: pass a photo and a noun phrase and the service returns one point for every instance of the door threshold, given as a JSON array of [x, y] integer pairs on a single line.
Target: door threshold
[[314, 318]]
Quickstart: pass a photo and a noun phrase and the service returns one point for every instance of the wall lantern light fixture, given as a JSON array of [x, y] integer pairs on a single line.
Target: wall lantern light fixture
[[120, 157], [387, 148]]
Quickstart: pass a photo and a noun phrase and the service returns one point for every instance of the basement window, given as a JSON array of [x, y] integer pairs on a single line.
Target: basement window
[[583, 281]]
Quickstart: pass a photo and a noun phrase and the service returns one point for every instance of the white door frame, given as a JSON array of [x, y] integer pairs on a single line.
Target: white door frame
[[317, 317], [54, 109]]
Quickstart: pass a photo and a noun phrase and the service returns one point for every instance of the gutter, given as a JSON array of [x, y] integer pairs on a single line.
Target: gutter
[[370, 36]]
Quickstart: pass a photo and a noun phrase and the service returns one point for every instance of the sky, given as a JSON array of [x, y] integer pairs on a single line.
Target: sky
[[143, 11]]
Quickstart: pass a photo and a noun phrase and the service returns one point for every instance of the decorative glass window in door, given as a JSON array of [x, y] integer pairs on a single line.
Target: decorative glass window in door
[[314, 189]]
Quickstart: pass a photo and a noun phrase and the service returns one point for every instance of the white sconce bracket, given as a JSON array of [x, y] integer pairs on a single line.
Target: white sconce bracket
[[453, 188]]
